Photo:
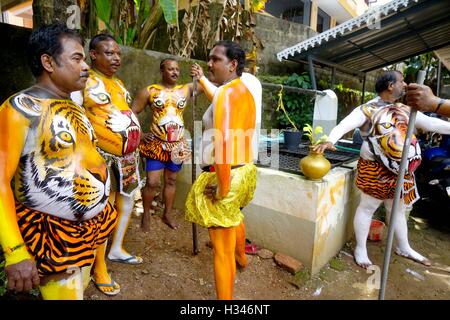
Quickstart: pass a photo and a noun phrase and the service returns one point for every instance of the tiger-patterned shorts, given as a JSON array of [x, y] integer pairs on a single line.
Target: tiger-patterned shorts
[[58, 244], [374, 179]]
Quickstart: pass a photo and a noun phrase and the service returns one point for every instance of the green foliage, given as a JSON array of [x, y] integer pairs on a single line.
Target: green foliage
[[348, 99], [427, 62], [132, 23], [103, 10], [337, 264], [273, 79], [170, 11], [299, 107], [315, 135]]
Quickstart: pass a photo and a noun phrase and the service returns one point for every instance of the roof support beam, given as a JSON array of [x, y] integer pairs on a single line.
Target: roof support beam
[[393, 40], [362, 49], [416, 9], [407, 57], [337, 66]]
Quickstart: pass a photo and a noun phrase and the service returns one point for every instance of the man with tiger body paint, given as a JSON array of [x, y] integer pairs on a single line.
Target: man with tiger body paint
[[229, 181], [54, 185], [383, 125], [107, 103], [164, 146]]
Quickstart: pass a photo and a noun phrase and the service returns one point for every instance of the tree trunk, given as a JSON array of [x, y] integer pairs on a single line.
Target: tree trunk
[[49, 11]]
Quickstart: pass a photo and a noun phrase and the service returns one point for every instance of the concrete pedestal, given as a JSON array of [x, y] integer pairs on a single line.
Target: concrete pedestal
[[307, 220]]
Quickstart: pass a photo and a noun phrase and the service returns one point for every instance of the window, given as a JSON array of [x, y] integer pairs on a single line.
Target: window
[[294, 14], [323, 21]]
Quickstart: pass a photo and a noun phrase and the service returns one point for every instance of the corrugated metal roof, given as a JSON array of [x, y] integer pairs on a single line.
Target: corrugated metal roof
[[406, 28]]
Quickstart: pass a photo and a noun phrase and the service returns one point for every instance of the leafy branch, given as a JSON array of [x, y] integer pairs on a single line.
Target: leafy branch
[[315, 135]]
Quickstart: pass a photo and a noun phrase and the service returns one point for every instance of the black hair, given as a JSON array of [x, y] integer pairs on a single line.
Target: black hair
[[47, 40], [99, 38], [161, 65], [233, 52], [385, 79]]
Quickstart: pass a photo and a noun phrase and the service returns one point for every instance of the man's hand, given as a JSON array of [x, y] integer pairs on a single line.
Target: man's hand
[[212, 192], [320, 148], [196, 71], [145, 137], [421, 97], [22, 276]]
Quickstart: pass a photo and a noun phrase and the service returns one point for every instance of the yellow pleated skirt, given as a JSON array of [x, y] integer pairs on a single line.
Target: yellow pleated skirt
[[227, 211]]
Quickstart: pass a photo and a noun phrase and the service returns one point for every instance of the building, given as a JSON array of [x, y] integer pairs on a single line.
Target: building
[[17, 12], [319, 15]]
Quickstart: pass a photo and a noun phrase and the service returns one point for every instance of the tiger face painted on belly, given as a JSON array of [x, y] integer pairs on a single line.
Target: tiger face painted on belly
[[387, 136], [60, 171]]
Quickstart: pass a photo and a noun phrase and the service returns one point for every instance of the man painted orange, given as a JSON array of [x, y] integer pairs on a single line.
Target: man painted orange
[[57, 213], [107, 104], [164, 147], [217, 197]]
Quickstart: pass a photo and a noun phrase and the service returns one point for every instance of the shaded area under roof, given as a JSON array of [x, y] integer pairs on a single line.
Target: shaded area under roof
[[420, 27]]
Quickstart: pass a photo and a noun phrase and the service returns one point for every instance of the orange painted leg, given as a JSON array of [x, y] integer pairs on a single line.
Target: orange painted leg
[[241, 258], [224, 243]]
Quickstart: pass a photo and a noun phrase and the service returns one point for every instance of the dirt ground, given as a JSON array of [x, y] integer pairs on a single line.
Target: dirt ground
[[171, 272]]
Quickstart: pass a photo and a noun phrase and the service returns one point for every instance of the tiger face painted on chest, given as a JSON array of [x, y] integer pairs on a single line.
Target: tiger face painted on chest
[[107, 104], [60, 171], [387, 135], [168, 106]]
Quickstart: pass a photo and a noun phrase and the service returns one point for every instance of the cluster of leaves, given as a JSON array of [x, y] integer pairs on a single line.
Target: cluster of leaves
[[299, 107], [427, 62], [196, 24], [132, 22], [348, 99], [315, 135], [258, 5]]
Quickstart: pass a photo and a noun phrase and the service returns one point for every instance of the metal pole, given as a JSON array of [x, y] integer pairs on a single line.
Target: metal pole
[[311, 72], [398, 190], [438, 86], [193, 176], [333, 77], [363, 89]]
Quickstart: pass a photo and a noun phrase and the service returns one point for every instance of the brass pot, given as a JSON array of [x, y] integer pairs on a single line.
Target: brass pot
[[314, 166]]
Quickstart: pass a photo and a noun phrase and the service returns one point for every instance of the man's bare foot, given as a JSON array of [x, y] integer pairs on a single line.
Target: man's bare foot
[[170, 221], [414, 256], [361, 258]]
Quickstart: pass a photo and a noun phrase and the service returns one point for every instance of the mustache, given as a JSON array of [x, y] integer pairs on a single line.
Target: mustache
[[84, 74]]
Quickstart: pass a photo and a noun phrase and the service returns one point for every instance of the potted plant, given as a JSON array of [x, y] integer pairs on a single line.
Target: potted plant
[[314, 166], [297, 109]]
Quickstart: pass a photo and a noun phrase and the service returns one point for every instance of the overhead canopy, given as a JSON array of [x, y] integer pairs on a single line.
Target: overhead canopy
[[405, 28]]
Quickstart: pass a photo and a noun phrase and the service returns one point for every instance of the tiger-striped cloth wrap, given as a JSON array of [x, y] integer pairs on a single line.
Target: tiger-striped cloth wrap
[[374, 179], [58, 244]]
